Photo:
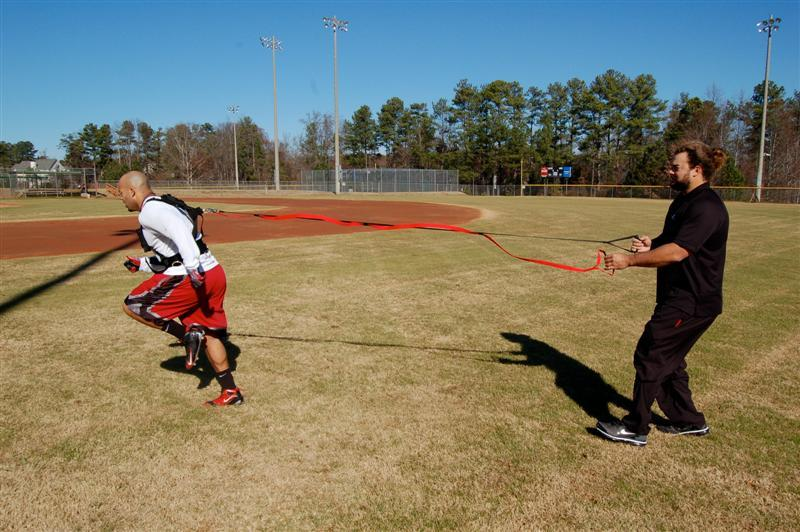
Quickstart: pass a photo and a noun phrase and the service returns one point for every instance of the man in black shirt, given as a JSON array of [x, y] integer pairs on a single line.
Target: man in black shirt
[[690, 257]]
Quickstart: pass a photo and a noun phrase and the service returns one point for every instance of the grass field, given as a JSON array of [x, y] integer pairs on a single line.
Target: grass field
[[411, 379], [76, 208]]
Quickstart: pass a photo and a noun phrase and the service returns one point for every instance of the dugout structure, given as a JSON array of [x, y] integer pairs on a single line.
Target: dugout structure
[[24, 183], [382, 180]]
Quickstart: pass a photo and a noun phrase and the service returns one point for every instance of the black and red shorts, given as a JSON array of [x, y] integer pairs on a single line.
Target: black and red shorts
[[162, 298]]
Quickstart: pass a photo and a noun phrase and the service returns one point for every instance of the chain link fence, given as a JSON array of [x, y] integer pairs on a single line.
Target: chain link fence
[[40, 183], [768, 194], [73, 182], [382, 180]]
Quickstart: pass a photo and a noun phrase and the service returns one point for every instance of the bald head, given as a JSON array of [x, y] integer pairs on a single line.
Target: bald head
[[134, 187], [134, 179]]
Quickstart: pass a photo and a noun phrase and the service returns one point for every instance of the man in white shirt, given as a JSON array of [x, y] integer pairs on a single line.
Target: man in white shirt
[[188, 284]]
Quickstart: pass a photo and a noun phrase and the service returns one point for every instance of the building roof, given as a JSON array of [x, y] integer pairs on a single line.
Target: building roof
[[45, 165]]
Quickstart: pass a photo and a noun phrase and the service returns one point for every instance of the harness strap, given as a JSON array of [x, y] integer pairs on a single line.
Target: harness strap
[[174, 260]]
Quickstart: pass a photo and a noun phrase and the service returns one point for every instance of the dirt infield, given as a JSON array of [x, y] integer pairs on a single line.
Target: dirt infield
[[47, 238]]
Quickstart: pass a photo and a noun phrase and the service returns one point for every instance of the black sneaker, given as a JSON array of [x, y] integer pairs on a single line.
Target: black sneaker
[[687, 430], [617, 431], [192, 343]]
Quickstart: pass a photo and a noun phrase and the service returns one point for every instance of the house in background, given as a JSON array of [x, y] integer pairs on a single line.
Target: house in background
[[39, 167], [38, 174]]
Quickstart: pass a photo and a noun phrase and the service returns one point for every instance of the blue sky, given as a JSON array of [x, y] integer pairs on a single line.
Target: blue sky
[[67, 63]]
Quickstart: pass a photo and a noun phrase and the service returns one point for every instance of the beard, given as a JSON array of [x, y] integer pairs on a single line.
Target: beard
[[677, 186]]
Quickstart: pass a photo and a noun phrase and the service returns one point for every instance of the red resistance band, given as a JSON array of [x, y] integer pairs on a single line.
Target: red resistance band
[[430, 226]]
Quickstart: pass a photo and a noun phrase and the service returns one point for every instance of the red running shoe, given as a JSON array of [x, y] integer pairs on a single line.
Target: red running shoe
[[227, 398]]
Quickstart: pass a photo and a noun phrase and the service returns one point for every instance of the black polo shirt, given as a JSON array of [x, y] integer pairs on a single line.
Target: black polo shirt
[[697, 222]]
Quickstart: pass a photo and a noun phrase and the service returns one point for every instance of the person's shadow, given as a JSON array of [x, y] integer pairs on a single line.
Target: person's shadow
[[579, 382], [203, 370]]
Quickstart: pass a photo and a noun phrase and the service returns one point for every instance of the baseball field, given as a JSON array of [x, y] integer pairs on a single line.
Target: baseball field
[[393, 379]]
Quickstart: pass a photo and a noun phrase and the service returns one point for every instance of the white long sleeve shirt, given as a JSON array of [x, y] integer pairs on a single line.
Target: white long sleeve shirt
[[169, 232]]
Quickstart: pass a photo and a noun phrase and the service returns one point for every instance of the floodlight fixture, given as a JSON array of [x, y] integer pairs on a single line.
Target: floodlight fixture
[[272, 43], [768, 25], [334, 23]]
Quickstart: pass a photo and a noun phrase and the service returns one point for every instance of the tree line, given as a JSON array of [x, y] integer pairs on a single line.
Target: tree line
[[11, 154], [611, 130]]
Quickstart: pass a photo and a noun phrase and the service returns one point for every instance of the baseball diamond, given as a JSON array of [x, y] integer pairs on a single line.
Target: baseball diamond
[[45, 238], [393, 379]]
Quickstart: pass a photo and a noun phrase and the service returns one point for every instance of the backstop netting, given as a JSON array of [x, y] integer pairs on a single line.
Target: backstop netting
[[40, 183]]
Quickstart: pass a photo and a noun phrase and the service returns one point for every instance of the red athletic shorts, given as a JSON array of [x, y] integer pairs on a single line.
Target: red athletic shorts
[[162, 298]]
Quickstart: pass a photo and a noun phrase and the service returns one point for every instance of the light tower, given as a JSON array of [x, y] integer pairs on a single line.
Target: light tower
[[235, 109], [765, 26], [276, 46], [337, 25]]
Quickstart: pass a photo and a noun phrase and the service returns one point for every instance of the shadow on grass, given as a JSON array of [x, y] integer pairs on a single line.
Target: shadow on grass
[[579, 382], [38, 290], [372, 344], [203, 370]]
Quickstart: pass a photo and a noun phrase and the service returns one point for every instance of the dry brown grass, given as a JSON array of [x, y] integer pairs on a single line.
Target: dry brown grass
[[383, 394]]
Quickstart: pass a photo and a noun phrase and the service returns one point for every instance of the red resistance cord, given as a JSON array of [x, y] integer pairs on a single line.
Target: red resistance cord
[[429, 226]]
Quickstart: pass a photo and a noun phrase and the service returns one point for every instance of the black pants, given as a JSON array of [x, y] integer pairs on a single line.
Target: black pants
[[660, 362]]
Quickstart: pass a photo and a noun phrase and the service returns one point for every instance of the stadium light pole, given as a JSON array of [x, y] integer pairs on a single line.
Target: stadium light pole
[[335, 24], [765, 26], [276, 46], [235, 109]]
